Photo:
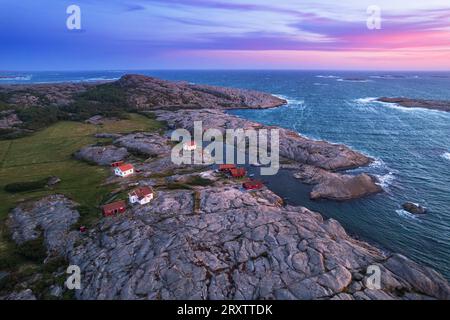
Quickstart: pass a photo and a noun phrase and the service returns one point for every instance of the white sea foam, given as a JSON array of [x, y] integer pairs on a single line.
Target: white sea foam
[[17, 78], [353, 80], [289, 99], [80, 80], [320, 84], [99, 79], [366, 100], [327, 76], [446, 155], [378, 163], [385, 180], [406, 214]]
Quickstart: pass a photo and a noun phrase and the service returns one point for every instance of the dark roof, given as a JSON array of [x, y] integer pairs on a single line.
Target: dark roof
[[114, 206], [142, 192]]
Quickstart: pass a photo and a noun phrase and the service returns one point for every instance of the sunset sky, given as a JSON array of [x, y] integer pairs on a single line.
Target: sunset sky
[[225, 34]]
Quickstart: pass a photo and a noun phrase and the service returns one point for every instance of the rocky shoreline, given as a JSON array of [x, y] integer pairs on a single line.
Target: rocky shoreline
[[216, 240]]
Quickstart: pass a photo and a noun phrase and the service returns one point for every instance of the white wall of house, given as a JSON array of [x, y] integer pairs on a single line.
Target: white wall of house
[[146, 199], [121, 173], [134, 199]]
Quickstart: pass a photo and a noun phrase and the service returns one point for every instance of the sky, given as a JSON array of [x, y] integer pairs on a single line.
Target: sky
[[225, 34]]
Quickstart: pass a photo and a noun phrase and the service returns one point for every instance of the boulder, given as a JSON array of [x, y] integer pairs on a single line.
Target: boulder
[[414, 208], [101, 155], [337, 186]]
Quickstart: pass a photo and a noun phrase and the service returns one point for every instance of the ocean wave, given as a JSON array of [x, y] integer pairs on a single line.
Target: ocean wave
[[289, 100], [320, 84], [354, 80], [406, 214], [385, 180], [392, 77], [366, 100], [98, 79], [79, 80], [16, 78], [327, 76], [372, 100], [446, 155]]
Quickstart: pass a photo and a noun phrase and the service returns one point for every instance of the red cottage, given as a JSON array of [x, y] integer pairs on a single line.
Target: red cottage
[[114, 208], [226, 167], [238, 172], [253, 185]]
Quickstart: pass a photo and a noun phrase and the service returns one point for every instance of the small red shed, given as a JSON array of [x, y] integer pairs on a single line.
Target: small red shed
[[238, 172], [253, 185], [226, 167], [117, 164], [114, 208]]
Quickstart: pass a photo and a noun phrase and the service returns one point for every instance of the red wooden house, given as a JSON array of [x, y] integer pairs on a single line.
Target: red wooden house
[[226, 167], [238, 172], [253, 184], [114, 208]]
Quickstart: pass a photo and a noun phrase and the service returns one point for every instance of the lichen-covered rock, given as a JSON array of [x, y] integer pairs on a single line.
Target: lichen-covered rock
[[337, 186], [102, 155], [293, 146], [149, 144], [237, 245], [9, 119], [22, 295], [50, 217], [146, 93]]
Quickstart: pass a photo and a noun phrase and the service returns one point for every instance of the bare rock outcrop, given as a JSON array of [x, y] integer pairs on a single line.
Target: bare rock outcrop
[[292, 145], [147, 93], [336, 186], [418, 103], [101, 155], [238, 245], [149, 144], [51, 218], [9, 119]]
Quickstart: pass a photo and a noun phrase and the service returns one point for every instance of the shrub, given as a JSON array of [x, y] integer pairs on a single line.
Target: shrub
[[26, 186], [35, 118], [177, 185], [33, 250], [199, 181]]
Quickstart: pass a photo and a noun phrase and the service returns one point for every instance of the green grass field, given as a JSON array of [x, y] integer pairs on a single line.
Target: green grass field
[[49, 153]]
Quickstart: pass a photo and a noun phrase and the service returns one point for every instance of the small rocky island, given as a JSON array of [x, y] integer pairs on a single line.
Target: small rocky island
[[203, 236], [418, 103]]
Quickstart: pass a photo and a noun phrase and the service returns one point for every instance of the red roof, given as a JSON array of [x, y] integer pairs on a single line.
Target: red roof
[[142, 192], [224, 167], [126, 167], [114, 206], [117, 164], [253, 184], [238, 172]]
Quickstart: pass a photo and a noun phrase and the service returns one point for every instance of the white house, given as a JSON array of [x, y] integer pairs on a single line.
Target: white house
[[141, 195], [190, 146], [124, 170]]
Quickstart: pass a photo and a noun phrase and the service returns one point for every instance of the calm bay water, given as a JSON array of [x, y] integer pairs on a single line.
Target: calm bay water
[[411, 146]]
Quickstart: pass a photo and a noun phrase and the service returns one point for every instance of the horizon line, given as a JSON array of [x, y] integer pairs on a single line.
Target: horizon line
[[225, 69]]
